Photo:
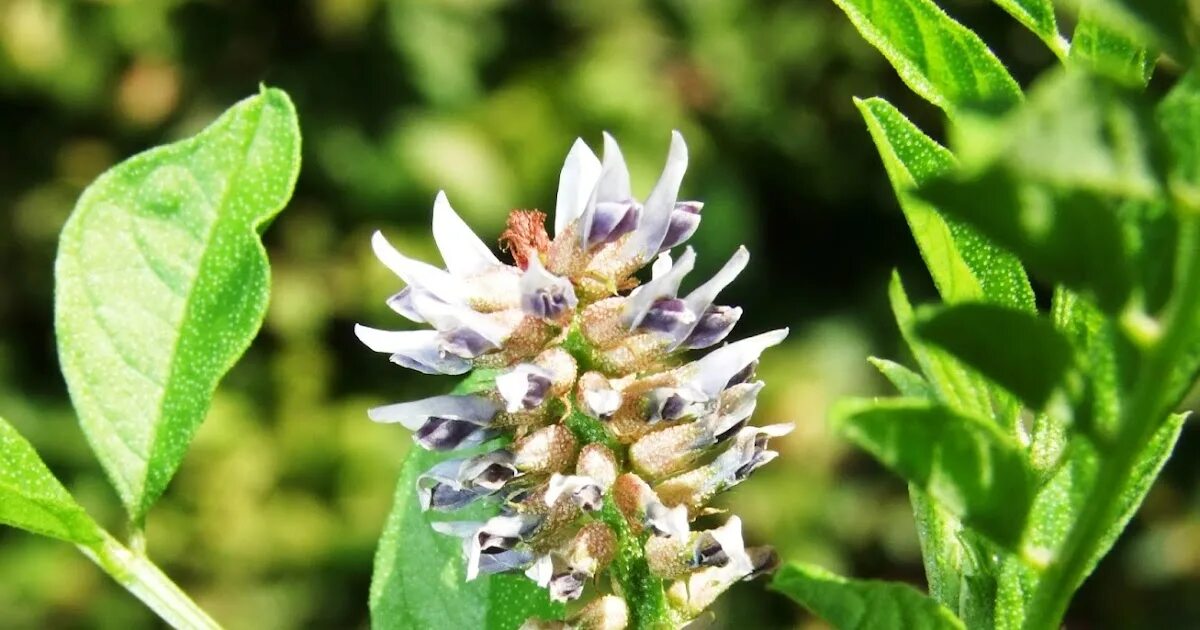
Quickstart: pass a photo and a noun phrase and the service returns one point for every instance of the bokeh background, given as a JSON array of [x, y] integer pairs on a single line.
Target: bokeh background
[[272, 521]]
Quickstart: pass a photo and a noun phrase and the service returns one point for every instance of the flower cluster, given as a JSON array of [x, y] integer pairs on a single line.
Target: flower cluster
[[613, 446]]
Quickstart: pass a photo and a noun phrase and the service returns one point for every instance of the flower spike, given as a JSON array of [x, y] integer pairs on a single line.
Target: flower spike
[[601, 440]]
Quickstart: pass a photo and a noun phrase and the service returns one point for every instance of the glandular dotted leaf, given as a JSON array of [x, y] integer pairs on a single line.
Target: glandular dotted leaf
[[161, 283], [32, 499]]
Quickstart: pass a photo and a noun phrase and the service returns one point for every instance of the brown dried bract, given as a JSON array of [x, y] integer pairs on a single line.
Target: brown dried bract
[[525, 232]]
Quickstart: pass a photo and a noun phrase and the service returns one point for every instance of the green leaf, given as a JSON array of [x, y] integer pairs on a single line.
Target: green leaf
[[861, 604], [1020, 351], [1069, 238], [1110, 52], [954, 385], [906, 381], [1179, 118], [1173, 25], [161, 283], [941, 60], [1037, 16], [32, 499], [420, 575], [1048, 183], [967, 464], [965, 266]]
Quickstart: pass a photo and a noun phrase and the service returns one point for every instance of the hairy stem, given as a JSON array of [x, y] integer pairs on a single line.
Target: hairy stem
[[1156, 392], [147, 582]]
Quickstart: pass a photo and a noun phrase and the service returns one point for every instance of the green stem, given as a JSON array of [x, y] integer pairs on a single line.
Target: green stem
[[1154, 395], [642, 591], [148, 583]]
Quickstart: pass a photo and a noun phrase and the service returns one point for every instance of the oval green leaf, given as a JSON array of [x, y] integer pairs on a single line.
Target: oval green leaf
[[967, 464], [862, 604], [941, 60], [1019, 351], [32, 499], [161, 283]]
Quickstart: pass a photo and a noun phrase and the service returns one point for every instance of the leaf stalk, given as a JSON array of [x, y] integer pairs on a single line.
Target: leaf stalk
[[142, 578]]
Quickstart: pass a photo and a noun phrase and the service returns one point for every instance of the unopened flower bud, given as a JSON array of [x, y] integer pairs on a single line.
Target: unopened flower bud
[[592, 548], [747, 453], [597, 397], [606, 613], [644, 510], [597, 462], [549, 449]]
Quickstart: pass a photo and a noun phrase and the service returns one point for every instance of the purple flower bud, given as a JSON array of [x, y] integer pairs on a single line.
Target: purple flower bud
[[612, 220], [714, 325], [685, 218], [667, 315]]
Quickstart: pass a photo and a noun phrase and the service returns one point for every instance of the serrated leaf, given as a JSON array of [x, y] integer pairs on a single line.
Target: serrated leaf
[[32, 499], [161, 283], [1110, 52], [1020, 351], [861, 604], [941, 60], [965, 266], [420, 575], [1179, 118], [967, 464], [1037, 16]]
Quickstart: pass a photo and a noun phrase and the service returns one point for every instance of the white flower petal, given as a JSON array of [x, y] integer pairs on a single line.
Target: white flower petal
[[713, 372], [613, 186], [392, 341], [666, 285], [614, 178], [576, 182], [412, 415], [560, 485], [541, 570], [416, 273], [703, 296], [656, 214], [514, 385], [462, 250], [447, 317]]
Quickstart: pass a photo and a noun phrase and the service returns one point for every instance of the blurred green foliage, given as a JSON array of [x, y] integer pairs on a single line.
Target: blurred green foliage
[[273, 519]]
